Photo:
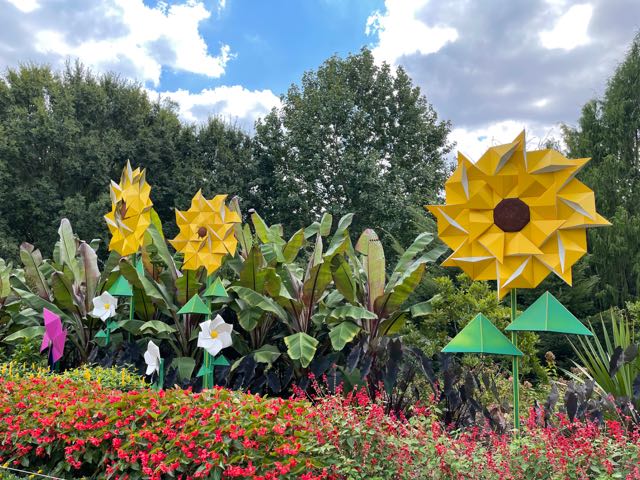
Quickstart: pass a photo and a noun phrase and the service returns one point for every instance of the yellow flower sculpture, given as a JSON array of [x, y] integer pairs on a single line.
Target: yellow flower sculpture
[[206, 233], [130, 214], [516, 216]]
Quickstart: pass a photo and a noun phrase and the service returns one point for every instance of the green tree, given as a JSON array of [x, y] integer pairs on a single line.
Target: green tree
[[609, 132], [352, 137], [65, 135]]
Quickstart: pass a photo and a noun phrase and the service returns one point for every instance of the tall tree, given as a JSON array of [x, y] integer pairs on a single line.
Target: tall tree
[[63, 136], [609, 133], [352, 137]]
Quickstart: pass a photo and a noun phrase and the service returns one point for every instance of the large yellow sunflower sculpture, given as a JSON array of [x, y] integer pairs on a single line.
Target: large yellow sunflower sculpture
[[130, 214], [516, 216], [206, 233]]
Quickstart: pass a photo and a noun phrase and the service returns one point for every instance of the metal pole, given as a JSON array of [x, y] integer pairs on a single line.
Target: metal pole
[[516, 380], [207, 381]]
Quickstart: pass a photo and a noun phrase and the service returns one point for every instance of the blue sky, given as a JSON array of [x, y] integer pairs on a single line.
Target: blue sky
[[491, 67], [275, 42]]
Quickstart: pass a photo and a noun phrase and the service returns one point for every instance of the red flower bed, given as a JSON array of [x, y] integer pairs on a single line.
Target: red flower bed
[[73, 428], [62, 426]]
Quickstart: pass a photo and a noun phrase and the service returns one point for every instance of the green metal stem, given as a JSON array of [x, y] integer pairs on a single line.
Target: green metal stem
[[207, 381], [515, 375]]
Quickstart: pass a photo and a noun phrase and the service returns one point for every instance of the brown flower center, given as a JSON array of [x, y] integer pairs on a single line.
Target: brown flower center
[[123, 209], [202, 232], [511, 215]]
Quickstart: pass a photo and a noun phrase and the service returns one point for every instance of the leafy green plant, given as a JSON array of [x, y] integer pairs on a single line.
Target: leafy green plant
[[612, 362]]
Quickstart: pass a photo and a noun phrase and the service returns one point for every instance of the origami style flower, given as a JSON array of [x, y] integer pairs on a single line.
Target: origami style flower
[[215, 335], [206, 233], [104, 306], [54, 335], [152, 358], [130, 214], [515, 216]]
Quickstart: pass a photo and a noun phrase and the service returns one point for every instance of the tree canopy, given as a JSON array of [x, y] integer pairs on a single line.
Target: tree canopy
[[609, 132], [63, 136], [352, 137]]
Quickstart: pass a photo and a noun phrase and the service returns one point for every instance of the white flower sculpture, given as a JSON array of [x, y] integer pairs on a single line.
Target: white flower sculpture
[[152, 358], [104, 306], [215, 335]]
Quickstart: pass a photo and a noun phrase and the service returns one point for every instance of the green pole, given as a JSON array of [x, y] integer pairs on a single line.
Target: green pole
[[132, 305], [207, 381], [516, 380]]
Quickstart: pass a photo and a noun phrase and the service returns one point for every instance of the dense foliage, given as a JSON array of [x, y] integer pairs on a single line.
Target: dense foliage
[[609, 131]]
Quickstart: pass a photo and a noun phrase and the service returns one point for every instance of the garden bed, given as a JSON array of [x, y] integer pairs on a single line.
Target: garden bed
[[74, 428]]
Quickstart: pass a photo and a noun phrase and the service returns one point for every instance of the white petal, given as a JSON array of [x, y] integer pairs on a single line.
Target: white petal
[[153, 350], [225, 328], [203, 340], [217, 322], [225, 340], [206, 327]]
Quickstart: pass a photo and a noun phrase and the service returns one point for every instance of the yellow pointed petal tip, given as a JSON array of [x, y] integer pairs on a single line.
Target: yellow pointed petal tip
[[516, 216], [130, 213], [205, 233]]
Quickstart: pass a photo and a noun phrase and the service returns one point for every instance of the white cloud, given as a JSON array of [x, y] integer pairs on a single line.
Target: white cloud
[[233, 103], [570, 31], [474, 142], [400, 32], [132, 38], [25, 6]]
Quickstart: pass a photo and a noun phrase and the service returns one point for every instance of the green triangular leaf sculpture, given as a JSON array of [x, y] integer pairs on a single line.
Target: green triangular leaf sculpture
[[121, 288], [547, 314], [204, 369], [481, 336], [216, 289], [220, 360], [195, 305]]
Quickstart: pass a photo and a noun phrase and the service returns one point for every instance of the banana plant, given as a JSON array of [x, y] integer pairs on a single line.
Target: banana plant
[[274, 288], [66, 285], [360, 276]]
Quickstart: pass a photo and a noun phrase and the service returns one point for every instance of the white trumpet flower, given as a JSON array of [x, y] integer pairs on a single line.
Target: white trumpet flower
[[104, 306], [152, 358], [215, 335]]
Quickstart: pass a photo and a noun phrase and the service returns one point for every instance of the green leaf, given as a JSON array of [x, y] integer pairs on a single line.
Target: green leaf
[[157, 327], [373, 263], [187, 285], [257, 300], [406, 284], [342, 334], [25, 334], [63, 293], [418, 245], [154, 236], [250, 273], [421, 309], [343, 278], [314, 286], [185, 366], [32, 259], [393, 324], [301, 346], [354, 312], [266, 354], [341, 238], [325, 224], [248, 318], [293, 246], [68, 248], [261, 228], [131, 326], [91, 272]]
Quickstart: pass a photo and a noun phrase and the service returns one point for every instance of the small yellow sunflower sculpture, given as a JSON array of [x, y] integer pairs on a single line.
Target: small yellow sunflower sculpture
[[130, 214], [516, 216], [206, 233]]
